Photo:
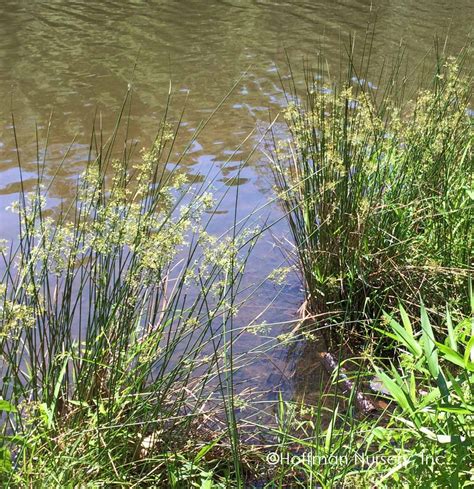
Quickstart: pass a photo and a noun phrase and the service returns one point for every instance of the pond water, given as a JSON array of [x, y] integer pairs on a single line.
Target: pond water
[[72, 58]]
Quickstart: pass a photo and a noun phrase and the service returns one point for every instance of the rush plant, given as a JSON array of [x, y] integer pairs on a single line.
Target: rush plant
[[378, 190], [116, 313]]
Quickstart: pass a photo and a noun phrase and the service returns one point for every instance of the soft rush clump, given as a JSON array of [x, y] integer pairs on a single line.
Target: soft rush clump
[[104, 340], [379, 193]]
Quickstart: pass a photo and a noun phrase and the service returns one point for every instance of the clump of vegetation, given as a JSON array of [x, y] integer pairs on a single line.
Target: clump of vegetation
[[423, 438], [379, 192], [379, 196], [432, 387], [115, 327]]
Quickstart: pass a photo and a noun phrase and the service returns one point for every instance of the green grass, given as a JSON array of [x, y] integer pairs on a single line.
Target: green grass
[[424, 437], [378, 193]]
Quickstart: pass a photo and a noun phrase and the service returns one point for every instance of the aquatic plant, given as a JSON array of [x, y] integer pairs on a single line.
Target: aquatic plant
[[116, 313], [378, 191], [117, 307]]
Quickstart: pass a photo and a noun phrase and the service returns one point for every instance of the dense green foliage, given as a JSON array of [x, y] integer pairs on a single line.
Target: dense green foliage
[[115, 316], [433, 388], [378, 192], [425, 438]]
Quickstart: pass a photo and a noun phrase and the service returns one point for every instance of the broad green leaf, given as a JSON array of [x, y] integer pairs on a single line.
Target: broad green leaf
[[431, 353], [327, 442], [413, 387], [387, 333], [405, 336], [469, 354], [442, 384], [396, 391], [205, 449], [397, 377], [451, 355], [451, 335], [454, 384], [206, 483], [405, 320], [451, 408]]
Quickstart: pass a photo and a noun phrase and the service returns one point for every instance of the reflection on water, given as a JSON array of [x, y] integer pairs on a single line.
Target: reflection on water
[[69, 59]]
